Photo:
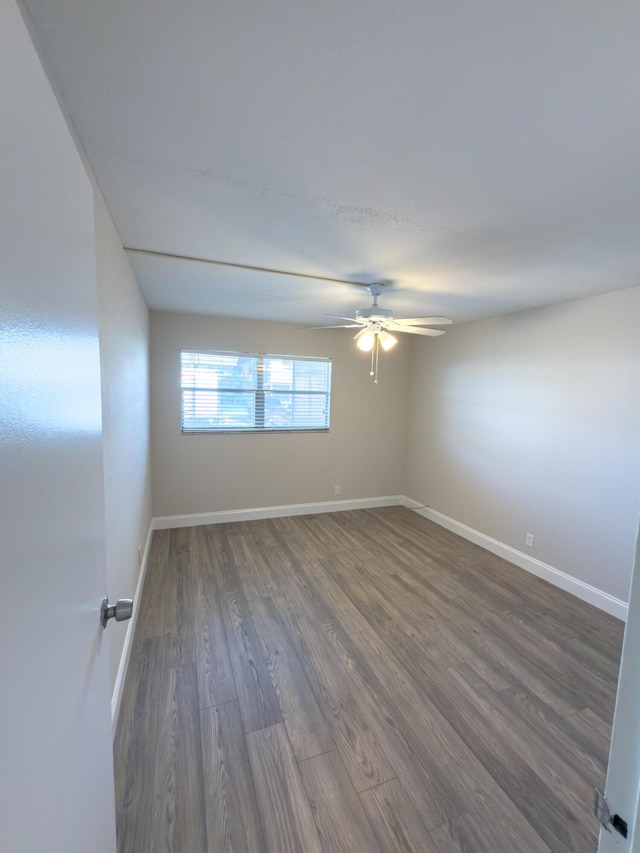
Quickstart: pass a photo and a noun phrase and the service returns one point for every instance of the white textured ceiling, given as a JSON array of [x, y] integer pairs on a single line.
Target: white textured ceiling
[[484, 156]]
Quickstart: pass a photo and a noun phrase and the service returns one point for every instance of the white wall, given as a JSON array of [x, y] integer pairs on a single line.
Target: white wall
[[363, 452], [124, 362], [531, 423], [56, 762]]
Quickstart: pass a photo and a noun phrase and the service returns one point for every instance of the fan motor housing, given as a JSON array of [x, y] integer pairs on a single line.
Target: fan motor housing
[[374, 314]]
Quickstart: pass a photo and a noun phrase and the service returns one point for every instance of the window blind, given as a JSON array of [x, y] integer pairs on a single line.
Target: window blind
[[248, 392]]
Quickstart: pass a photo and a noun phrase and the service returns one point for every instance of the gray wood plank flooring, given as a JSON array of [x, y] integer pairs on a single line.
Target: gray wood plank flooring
[[358, 681]]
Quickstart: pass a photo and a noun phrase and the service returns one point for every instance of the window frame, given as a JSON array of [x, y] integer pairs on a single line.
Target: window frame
[[257, 391]]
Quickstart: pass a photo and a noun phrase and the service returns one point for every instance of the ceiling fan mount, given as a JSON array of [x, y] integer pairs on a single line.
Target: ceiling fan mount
[[377, 288]]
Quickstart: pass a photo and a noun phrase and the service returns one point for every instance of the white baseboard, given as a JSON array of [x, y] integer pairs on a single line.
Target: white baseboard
[[167, 521], [116, 696], [586, 592]]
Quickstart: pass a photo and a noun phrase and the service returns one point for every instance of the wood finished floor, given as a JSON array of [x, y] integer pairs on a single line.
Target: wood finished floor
[[359, 681]]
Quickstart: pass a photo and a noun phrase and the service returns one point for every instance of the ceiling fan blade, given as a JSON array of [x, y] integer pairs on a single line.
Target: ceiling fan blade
[[414, 330], [336, 317], [423, 321], [336, 326]]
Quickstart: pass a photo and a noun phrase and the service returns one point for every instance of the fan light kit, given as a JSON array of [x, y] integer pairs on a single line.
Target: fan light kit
[[376, 325], [366, 340]]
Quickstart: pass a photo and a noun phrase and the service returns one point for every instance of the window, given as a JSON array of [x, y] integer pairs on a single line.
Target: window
[[248, 392]]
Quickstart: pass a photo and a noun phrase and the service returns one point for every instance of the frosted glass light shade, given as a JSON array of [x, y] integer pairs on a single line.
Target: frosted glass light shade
[[365, 341], [387, 341]]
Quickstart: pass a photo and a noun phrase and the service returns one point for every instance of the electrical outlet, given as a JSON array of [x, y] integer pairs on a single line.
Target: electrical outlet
[[337, 490], [529, 540]]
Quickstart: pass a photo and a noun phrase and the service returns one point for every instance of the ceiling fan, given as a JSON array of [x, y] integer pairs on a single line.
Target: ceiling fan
[[375, 325]]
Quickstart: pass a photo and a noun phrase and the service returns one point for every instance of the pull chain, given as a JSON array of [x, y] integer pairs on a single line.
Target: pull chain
[[375, 357]]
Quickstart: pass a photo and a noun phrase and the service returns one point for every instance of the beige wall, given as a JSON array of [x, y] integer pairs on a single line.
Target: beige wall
[[123, 321], [363, 452], [530, 423]]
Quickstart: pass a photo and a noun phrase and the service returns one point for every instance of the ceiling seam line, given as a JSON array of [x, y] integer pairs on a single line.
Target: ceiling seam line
[[271, 270]]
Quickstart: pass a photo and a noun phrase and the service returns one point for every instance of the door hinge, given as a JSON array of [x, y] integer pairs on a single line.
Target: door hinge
[[603, 814]]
